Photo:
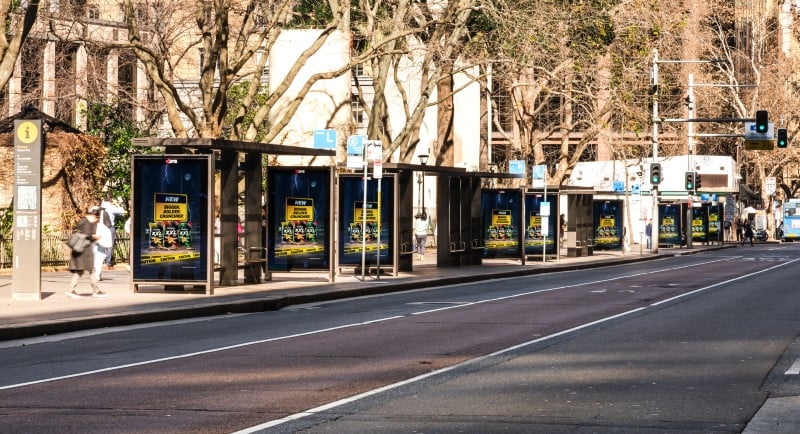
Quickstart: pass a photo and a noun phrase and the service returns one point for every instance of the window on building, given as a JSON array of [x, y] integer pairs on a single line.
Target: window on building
[[505, 110], [359, 115], [94, 13]]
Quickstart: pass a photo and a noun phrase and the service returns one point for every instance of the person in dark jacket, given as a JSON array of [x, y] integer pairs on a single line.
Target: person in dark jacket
[[748, 233], [83, 262]]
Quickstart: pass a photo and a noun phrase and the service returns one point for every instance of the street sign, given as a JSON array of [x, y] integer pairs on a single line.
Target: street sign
[[544, 209], [769, 185], [516, 167], [324, 139], [355, 152], [374, 150], [750, 132]]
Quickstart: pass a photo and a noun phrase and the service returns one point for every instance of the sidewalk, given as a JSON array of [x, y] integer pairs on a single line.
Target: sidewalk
[[55, 313]]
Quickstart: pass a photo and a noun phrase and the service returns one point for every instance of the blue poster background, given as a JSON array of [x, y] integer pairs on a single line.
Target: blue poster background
[[501, 214], [608, 225], [671, 224], [700, 224], [298, 243], [351, 192], [533, 235], [170, 250]]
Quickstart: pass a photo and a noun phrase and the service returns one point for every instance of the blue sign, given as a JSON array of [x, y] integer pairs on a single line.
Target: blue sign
[[355, 152], [324, 139], [516, 167], [539, 171]]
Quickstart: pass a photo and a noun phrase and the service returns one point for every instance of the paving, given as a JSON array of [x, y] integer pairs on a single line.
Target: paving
[[56, 313]]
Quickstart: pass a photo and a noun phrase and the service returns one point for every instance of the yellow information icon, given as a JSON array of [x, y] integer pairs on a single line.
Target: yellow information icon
[[27, 132]]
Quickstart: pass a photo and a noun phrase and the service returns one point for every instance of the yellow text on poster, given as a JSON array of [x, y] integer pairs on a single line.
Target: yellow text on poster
[[372, 211], [607, 221], [299, 209], [171, 207], [501, 217]]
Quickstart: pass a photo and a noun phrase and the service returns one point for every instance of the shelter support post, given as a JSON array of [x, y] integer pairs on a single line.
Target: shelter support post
[[229, 273]]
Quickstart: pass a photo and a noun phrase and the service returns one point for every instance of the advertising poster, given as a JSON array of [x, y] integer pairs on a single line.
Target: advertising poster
[[297, 218], [501, 212], [171, 218], [351, 216], [608, 225], [699, 221], [714, 227], [534, 234], [669, 230]]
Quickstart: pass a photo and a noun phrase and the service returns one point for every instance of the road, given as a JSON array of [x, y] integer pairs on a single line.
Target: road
[[694, 343]]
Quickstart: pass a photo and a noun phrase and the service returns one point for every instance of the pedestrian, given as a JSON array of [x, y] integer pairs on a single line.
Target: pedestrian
[[83, 262], [648, 233], [421, 233], [563, 225], [104, 244], [112, 210], [739, 229], [748, 233]]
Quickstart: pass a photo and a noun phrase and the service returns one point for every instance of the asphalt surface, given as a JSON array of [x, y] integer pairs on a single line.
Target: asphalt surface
[[55, 313]]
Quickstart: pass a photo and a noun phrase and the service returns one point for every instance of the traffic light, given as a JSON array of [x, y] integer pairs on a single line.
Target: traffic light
[[689, 181], [783, 138], [762, 121], [655, 173], [698, 181]]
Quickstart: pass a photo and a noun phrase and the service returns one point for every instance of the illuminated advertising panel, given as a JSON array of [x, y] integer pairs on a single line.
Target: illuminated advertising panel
[[171, 218]]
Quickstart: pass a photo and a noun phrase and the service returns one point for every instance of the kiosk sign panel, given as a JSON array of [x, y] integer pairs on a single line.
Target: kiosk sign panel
[[171, 218], [27, 210]]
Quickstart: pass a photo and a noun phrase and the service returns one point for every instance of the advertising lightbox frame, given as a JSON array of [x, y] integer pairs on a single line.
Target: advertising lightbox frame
[[172, 226]]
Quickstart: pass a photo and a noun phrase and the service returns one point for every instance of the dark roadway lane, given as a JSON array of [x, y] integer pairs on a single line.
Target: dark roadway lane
[[280, 363]]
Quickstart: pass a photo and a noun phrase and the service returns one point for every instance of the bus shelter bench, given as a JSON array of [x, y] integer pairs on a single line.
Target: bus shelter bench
[[477, 245], [407, 249], [457, 248]]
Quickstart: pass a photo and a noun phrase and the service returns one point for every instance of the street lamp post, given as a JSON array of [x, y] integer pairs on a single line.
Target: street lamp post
[[423, 160]]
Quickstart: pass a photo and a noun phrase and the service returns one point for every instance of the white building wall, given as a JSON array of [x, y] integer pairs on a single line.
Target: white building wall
[[467, 115], [327, 104]]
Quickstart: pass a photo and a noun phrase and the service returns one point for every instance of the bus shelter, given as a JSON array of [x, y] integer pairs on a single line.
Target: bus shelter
[[231, 158]]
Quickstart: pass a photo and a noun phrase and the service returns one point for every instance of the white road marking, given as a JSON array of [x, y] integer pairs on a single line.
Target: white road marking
[[345, 326], [795, 369], [322, 408]]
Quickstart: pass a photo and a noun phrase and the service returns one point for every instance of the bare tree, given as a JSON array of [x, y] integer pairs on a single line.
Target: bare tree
[[20, 20]]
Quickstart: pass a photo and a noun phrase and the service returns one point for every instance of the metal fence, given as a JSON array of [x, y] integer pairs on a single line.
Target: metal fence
[[55, 253]]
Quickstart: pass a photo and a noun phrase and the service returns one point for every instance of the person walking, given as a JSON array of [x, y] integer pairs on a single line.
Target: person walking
[[83, 262], [421, 233], [104, 244], [748, 233], [111, 212]]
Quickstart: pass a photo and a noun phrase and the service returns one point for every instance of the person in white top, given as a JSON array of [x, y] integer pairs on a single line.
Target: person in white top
[[113, 210], [421, 233]]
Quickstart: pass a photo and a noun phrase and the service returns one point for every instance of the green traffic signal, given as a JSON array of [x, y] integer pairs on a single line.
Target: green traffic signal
[[783, 138], [689, 181], [655, 173], [762, 121]]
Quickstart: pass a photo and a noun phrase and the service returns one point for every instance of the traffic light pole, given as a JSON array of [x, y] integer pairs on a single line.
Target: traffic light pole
[[655, 225], [654, 221]]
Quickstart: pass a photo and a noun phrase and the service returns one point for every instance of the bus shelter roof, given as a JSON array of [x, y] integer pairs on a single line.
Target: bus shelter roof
[[233, 145]]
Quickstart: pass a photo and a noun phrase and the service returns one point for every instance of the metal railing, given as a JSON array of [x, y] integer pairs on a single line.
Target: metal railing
[[55, 253]]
